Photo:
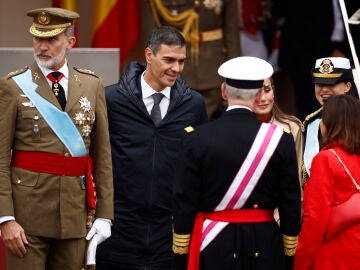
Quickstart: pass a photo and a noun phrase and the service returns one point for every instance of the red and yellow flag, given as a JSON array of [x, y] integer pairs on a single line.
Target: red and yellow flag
[[116, 25], [69, 5]]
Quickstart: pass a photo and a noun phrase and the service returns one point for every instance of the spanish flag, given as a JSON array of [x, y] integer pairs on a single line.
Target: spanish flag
[[116, 25], [69, 5]]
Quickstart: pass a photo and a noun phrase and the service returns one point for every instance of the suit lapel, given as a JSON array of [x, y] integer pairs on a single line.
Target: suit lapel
[[43, 88], [75, 90]]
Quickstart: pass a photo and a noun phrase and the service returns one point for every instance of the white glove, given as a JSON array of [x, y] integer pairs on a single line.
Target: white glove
[[91, 251], [99, 232]]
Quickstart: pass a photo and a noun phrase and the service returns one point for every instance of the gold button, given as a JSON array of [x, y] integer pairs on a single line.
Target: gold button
[[36, 117], [19, 181], [66, 154], [255, 206], [256, 254]]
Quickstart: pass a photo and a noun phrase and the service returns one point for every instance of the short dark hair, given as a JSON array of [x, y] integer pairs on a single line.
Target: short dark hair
[[167, 35], [340, 117]]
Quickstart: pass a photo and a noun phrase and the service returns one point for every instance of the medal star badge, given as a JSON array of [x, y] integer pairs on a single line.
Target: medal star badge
[[85, 117], [85, 104]]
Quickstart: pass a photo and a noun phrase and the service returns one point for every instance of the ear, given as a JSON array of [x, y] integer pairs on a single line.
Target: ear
[[71, 42], [348, 87], [223, 91], [148, 54]]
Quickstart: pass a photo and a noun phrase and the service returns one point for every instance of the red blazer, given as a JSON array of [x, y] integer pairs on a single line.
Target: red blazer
[[327, 186]]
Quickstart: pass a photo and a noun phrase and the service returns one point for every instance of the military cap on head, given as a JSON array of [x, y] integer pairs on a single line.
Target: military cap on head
[[332, 70], [246, 72], [50, 22]]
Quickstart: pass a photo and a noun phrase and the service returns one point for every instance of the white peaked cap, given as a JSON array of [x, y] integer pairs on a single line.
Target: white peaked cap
[[246, 72]]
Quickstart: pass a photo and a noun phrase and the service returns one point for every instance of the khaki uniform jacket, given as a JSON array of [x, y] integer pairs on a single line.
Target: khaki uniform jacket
[[212, 54], [297, 133], [44, 204]]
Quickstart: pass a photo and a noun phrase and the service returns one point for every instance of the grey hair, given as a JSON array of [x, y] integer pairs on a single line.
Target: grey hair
[[70, 31], [239, 93]]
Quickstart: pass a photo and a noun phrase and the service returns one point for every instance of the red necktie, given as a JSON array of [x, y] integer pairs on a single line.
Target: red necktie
[[58, 90]]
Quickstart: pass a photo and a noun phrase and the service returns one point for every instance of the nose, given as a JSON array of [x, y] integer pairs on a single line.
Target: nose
[[43, 45], [177, 67], [260, 96]]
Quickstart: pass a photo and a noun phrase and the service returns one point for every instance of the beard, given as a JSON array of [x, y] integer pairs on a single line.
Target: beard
[[50, 63]]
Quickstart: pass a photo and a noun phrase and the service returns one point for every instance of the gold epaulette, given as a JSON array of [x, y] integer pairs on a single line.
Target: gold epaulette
[[310, 116], [181, 243], [189, 129], [86, 71], [287, 130], [16, 72], [290, 244]]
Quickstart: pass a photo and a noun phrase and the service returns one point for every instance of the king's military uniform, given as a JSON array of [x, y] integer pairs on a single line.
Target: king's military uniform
[[51, 157], [211, 30]]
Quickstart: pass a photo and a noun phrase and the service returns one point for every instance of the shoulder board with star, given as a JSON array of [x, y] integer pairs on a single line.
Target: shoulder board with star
[[189, 129], [86, 71], [16, 72], [311, 116]]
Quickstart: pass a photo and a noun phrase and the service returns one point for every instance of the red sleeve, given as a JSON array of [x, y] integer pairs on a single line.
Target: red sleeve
[[318, 194]]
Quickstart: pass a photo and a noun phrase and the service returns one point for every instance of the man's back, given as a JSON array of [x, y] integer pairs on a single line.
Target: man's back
[[220, 148]]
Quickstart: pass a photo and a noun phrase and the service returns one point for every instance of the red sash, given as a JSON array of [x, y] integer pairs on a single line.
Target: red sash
[[232, 216], [59, 165]]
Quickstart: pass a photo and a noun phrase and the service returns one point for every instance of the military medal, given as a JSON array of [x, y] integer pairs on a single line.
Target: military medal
[[56, 89], [85, 117]]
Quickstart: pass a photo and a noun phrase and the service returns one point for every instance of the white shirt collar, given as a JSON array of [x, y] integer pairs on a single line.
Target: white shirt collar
[[147, 91], [64, 70], [238, 107]]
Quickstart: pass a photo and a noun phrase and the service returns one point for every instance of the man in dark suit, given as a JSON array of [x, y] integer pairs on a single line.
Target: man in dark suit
[[54, 130], [232, 174], [145, 140]]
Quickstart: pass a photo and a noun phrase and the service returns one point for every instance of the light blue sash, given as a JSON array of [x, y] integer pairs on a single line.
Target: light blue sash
[[312, 143], [59, 121]]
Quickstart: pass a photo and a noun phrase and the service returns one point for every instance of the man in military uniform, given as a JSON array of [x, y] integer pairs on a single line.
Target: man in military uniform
[[232, 174], [211, 30], [331, 76], [54, 147]]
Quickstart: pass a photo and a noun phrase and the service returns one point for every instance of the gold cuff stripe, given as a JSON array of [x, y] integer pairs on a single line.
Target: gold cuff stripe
[[290, 242], [181, 236], [322, 75], [289, 251], [181, 241], [180, 250]]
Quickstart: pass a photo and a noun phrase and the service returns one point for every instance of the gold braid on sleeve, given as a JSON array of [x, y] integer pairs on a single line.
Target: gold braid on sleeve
[[181, 243], [290, 243], [188, 20]]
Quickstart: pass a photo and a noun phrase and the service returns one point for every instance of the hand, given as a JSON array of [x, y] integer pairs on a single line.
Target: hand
[[14, 237], [99, 232], [101, 228]]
